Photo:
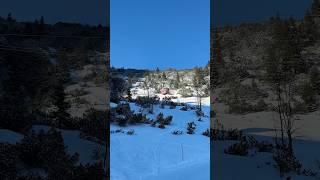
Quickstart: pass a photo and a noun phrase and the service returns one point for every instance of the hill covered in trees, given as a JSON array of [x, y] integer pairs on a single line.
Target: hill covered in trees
[[53, 99]]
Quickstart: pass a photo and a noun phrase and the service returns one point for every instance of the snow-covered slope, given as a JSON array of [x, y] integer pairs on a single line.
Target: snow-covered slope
[[154, 153]]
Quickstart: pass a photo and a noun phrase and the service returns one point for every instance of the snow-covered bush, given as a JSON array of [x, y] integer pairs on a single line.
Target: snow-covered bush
[[184, 108], [145, 101], [260, 146], [206, 133], [240, 149], [199, 113], [177, 132], [94, 123], [191, 127], [161, 126], [160, 117], [163, 120], [130, 132], [230, 134], [285, 161], [139, 118]]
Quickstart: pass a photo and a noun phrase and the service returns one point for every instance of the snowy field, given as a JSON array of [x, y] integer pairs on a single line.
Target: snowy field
[[261, 165], [157, 154]]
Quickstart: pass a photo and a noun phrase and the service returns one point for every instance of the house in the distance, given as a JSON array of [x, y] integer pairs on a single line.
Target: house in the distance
[[164, 91]]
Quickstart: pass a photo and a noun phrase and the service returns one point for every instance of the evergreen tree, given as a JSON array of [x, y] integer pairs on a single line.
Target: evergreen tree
[[217, 64], [61, 114], [177, 81], [9, 18], [42, 25], [198, 83], [315, 79], [63, 65], [129, 95], [315, 8]]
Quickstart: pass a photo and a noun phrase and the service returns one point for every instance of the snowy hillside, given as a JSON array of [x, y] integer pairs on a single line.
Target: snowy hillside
[[148, 151], [265, 101]]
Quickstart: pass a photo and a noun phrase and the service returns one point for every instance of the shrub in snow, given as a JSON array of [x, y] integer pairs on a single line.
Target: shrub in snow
[[199, 113], [233, 134], [184, 108], [123, 108], [94, 123], [161, 126], [177, 132], [130, 132], [145, 101], [191, 127], [165, 121], [221, 134], [153, 124], [119, 131], [263, 146], [206, 133], [240, 149], [285, 161], [173, 106], [139, 118], [122, 121], [309, 172], [160, 117]]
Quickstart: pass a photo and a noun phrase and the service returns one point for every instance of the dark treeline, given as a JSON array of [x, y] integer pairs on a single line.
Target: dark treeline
[[58, 35]]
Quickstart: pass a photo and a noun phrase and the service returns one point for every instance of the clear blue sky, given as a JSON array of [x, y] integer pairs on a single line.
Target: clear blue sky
[[77, 11], [233, 12], [146, 34]]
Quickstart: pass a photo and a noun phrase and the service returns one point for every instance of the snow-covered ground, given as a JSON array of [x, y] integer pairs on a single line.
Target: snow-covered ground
[[261, 166], [11, 137], [157, 154]]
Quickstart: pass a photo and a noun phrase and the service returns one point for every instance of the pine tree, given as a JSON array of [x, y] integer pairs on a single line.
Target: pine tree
[[61, 113], [315, 8], [315, 79], [9, 17], [198, 82], [63, 65], [41, 26], [129, 95], [177, 80]]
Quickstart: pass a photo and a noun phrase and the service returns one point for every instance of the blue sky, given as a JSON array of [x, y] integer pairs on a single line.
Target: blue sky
[[233, 12], [80, 11], [146, 34]]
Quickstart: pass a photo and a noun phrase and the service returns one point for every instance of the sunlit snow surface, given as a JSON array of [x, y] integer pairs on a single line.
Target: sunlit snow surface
[[154, 153]]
